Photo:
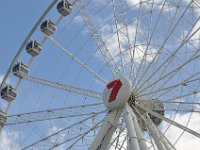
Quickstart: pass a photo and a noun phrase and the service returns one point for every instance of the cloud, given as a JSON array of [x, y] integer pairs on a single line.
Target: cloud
[[194, 11], [58, 138], [78, 19], [122, 139], [9, 140], [1, 79], [134, 2], [196, 31], [187, 140], [157, 4], [125, 54]]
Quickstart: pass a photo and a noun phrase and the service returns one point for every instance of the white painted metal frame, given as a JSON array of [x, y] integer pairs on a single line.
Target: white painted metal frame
[[135, 140], [64, 87], [139, 133], [132, 137], [165, 142], [110, 122], [98, 39], [170, 121]]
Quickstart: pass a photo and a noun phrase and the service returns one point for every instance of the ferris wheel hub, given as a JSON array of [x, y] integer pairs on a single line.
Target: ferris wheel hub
[[117, 93]]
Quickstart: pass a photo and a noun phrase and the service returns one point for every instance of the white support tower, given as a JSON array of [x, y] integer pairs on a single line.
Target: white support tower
[[105, 132], [155, 135], [132, 137], [139, 132]]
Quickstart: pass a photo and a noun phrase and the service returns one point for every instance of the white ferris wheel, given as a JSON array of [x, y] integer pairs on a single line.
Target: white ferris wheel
[[106, 75]]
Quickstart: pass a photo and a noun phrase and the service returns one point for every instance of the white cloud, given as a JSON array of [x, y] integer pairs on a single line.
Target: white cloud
[[78, 19], [147, 4], [9, 140], [58, 138], [123, 136], [187, 140], [196, 31], [134, 2], [111, 39], [1, 79], [194, 9]]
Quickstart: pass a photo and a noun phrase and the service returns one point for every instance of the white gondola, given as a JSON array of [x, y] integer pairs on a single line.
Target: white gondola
[[2, 118], [64, 8], [20, 69], [48, 27], [33, 48], [8, 93], [156, 106]]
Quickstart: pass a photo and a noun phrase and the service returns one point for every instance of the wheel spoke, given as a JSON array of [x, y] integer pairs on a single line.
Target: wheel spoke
[[161, 49], [51, 114], [185, 82], [170, 121], [64, 129], [101, 45], [192, 58], [76, 59], [64, 87]]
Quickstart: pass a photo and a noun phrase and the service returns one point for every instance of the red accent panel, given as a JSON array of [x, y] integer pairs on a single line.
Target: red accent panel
[[115, 85]]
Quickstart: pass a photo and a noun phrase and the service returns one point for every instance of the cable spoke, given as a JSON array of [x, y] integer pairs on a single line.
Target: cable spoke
[[68, 127], [193, 57], [185, 82], [169, 121], [99, 41], [161, 49], [76, 59], [173, 72], [121, 24], [78, 136], [169, 102], [148, 44], [51, 114], [64, 87]]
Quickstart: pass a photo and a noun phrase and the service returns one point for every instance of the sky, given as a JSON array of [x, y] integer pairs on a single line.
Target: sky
[[19, 16], [15, 24]]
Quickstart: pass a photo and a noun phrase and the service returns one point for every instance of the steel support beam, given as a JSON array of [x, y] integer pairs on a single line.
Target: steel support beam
[[132, 137], [110, 121], [139, 133], [152, 130]]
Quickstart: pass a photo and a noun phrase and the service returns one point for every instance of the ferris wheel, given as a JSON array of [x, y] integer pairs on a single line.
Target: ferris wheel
[[106, 75]]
